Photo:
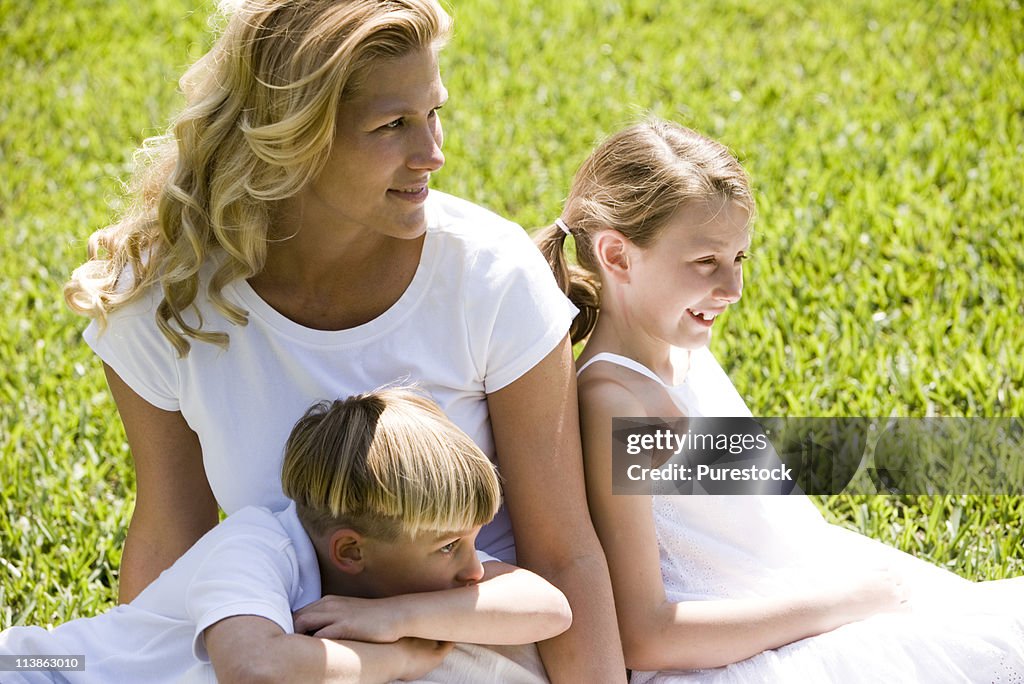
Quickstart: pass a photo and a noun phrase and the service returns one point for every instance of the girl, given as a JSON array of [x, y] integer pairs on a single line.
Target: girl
[[730, 588], [285, 246]]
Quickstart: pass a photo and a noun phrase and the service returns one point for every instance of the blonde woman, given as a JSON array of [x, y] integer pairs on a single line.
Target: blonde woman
[[285, 246]]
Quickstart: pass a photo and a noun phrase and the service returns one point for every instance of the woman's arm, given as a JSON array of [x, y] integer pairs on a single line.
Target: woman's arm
[[659, 635], [174, 506], [508, 606], [250, 650], [536, 434]]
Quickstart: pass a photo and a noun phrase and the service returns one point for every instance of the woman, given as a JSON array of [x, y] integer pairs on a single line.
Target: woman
[[286, 247]]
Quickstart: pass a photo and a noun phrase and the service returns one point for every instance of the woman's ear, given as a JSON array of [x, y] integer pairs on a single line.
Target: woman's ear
[[346, 551], [612, 250]]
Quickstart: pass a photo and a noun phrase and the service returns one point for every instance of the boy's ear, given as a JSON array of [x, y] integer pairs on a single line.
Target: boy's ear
[[612, 250], [346, 550]]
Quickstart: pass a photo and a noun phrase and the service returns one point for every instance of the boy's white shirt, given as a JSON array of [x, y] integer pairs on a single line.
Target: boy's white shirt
[[254, 563]]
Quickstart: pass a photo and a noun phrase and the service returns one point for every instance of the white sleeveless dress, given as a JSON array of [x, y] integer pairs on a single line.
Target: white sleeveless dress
[[716, 547]]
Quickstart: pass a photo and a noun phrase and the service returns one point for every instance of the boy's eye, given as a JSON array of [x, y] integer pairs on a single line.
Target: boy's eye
[[449, 547], [397, 123]]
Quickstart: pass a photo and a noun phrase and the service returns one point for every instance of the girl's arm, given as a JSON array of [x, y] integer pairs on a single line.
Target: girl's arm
[[174, 505], [536, 434], [508, 606], [250, 650], [659, 635]]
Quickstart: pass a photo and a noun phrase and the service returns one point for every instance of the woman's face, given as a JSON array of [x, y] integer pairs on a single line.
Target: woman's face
[[387, 144], [690, 274]]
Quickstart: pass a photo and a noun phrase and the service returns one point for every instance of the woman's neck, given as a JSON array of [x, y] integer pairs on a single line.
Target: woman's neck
[[331, 279]]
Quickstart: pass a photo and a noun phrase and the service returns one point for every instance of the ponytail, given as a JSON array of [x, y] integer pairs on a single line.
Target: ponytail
[[582, 287]]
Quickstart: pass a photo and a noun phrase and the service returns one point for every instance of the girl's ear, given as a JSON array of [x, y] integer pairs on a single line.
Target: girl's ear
[[612, 250], [346, 551]]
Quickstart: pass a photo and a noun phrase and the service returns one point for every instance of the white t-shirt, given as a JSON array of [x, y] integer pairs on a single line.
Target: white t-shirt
[[253, 563], [482, 309]]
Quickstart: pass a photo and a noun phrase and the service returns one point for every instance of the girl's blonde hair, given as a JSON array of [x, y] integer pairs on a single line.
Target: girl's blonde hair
[[633, 183], [387, 462], [258, 126]]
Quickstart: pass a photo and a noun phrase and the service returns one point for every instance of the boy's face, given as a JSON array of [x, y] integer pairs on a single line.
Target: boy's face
[[428, 561]]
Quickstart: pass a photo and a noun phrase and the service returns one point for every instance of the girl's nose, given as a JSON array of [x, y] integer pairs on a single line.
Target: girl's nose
[[730, 285]]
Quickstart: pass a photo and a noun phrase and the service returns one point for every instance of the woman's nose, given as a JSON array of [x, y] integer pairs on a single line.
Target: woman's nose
[[427, 154]]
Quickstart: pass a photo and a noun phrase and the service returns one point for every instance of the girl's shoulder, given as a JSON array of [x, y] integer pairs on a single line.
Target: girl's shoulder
[[619, 390]]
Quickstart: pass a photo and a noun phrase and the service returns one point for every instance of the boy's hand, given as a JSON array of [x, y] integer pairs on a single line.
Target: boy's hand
[[346, 617], [422, 656]]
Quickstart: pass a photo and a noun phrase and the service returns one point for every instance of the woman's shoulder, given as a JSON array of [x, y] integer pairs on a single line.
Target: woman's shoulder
[[473, 227]]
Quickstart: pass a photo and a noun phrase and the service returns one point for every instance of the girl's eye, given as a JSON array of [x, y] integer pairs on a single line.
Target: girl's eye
[[707, 261], [391, 125], [742, 257]]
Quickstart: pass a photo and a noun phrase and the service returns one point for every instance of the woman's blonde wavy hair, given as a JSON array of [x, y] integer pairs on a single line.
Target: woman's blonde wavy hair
[[633, 183], [384, 463], [257, 127]]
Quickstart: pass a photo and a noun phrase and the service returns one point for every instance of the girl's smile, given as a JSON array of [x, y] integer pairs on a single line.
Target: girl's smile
[[680, 283]]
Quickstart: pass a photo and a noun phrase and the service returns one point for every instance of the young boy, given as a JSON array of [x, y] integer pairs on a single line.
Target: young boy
[[388, 497]]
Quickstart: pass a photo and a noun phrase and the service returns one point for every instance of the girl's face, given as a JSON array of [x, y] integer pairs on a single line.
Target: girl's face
[[387, 144], [680, 283]]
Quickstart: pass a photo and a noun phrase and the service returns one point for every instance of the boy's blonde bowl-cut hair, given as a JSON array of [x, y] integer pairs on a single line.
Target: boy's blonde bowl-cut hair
[[387, 462]]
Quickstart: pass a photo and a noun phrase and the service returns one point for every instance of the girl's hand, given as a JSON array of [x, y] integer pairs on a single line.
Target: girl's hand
[[346, 617], [421, 656], [877, 590]]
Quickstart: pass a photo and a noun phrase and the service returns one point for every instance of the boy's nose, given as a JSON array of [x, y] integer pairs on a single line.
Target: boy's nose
[[472, 570]]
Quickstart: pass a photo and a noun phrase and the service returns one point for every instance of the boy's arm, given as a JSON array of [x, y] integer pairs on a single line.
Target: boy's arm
[[251, 649], [508, 606]]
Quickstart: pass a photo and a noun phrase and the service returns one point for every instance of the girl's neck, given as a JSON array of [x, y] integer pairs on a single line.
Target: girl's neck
[[614, 334]]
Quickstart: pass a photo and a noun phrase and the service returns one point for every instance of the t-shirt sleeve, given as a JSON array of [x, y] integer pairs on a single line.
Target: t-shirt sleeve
[[134, 347], [244, 575], [518, 313], [485, 557]]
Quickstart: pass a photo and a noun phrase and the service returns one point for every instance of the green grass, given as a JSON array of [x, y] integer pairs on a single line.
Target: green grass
[[884, 139]]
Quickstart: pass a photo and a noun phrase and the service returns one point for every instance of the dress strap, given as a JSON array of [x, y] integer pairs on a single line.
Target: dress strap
[[623, 361]]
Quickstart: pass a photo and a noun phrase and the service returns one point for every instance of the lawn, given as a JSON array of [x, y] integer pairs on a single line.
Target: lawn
[[885, 141]]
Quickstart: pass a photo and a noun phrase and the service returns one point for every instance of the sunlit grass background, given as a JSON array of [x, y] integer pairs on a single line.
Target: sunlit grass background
[[885, 140]]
